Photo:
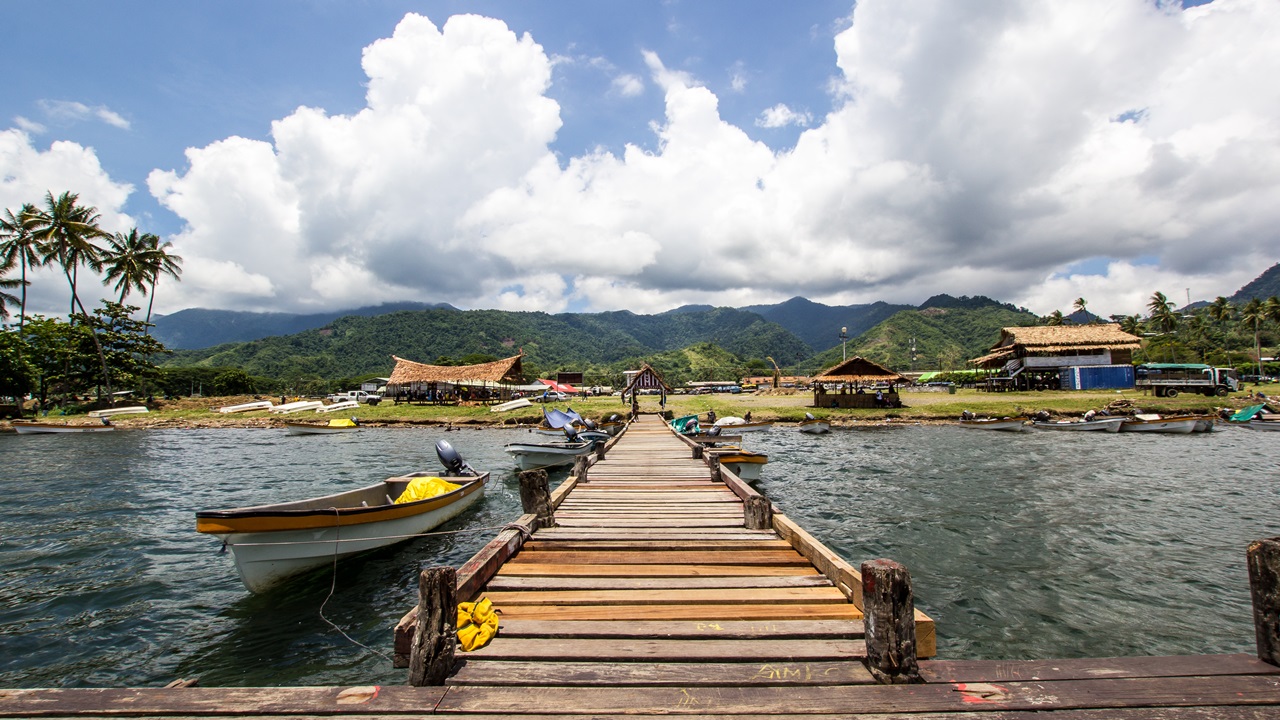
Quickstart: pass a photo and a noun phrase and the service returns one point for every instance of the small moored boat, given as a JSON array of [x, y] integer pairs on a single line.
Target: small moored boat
[[738, 424], [1257, 424], [1009, 424], [35, 428], [111, 412], [274, 542], [530, 456], [813, 425], [1155, 423], [1097, 424], [333, 427], [743, 463], [511, 405]]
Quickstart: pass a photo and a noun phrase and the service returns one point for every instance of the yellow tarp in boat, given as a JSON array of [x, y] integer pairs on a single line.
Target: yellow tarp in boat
[[421, 488], [342, 422]]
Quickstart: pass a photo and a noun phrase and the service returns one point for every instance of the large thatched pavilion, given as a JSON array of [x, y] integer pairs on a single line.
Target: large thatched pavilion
[[418, 382], [857, 383], [1034, 357]]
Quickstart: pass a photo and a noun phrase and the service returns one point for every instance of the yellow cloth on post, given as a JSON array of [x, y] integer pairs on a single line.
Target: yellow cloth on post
[[421, 488], [477, 624]]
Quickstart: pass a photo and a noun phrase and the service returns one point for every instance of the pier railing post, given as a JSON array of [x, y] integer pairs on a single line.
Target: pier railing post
[[1264, 587], [758, 513], [435, 640], [697, 452], [535, 497], [580, 465], [889, 616], [713, 463]]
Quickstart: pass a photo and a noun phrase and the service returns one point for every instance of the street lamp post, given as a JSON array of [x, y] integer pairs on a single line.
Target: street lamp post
[[844, 335]]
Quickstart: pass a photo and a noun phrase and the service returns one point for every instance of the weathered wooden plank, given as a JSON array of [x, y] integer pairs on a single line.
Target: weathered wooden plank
[[708, 612], [690, 630], [656, 650], [511, 583], [505, 600], [207, 702], [712, 556], [745, 674], [867, 699], [841, 573], [1080, 668], [653, 533], [664, 544], [556, 569], [670, 522]]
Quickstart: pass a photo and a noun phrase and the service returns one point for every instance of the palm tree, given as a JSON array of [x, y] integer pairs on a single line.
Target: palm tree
[[1081, 306], [124, 261], [1253, 315], [19, 248], [1054, 318], [1272, 308], [1221, 309], [1131, 324], [160, 261], [7, 299], [1162, 313], [66, 231]]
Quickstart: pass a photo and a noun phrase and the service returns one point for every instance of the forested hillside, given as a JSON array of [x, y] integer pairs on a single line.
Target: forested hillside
[[196, 328], [352, 346], [819, 325], [946, 332], [1262, 287]]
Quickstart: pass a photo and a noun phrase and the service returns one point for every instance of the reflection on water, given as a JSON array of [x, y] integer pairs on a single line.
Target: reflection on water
[[1020, 546]]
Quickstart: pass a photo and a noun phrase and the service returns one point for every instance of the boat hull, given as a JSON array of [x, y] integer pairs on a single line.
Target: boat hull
[[302, 541], [1263, 424], [531, 456], [743, 426], [1109, 425], [747, 467], [815, 427], [111, 412], [1179, 425], [35, 428], [1017, 424], [313, 429]]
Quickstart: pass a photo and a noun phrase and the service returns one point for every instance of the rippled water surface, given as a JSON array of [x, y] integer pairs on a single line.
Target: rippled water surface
[[1036, 545]]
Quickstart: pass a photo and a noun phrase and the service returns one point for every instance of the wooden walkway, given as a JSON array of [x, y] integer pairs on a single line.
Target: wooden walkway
[[650, 596]]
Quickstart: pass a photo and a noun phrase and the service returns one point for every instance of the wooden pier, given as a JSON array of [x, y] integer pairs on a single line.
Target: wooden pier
[[654, 582]]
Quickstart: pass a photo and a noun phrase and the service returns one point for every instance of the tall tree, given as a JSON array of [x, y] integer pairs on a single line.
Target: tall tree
[[1054, 318], [66, 231], [6, 298], [1081, 306], [1162, 314], [160, 261], [1253, 315], [1131, 324], [20, 249], [124, 261]]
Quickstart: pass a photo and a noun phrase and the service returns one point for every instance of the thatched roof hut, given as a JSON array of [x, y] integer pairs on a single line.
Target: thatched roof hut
[[1060, 340], [859, 371], [413, 377]]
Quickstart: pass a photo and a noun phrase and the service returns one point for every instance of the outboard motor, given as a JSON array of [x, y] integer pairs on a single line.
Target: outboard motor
[[453, 463], [715, 430], [809, 416], [589, 423]]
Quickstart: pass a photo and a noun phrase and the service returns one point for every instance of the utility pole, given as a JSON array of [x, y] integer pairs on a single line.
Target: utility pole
[[913, 354], [844, 335]]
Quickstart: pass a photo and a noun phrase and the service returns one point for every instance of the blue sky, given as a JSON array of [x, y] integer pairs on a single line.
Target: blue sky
[[597, 156]]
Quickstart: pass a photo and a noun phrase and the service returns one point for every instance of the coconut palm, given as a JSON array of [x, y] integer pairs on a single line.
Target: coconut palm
[[160, 261], [66, 231], [124, 262], [1162, 313], [1253, 315], [1131, 324], [1272, 308], [8, 299], [1054, 318], [19, 248], [1080, 306], [1221, 309]]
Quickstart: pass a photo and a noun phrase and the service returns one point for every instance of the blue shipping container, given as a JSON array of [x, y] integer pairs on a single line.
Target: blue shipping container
[[1096, 377]]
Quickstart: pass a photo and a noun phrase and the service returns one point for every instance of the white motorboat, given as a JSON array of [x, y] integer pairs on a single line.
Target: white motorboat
[[35, 428], [1205, 423], [246, 407], [1154, 423], [111, 412], [333, 427], [813, 425], [274, 542], [1257, 424], [529, 456], [1008, 424], [511, 405], [342, 405], [1097, 425], [298, 406], [738, 424]]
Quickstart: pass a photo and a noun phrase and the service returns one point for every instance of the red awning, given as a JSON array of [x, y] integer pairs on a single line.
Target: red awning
[[562, 387]]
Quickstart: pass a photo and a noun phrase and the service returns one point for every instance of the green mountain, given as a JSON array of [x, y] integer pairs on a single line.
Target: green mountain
[[197, 328], [602, 342], [1262, 287], [945, 332], [819, 325]]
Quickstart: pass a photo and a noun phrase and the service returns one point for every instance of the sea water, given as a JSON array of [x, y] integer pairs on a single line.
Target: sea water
[[1032, 545]]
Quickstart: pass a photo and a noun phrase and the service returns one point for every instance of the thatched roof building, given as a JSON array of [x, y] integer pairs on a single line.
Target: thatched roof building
[[859, 371], [414, 378], [1103, 344]]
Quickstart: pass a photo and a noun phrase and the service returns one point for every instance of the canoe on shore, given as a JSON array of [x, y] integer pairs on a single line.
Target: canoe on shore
[[1008, 424], [36, 428], [1099, 425]]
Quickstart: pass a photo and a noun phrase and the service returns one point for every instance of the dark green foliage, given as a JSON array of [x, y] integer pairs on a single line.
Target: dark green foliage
[[1262, 287], [17, 376], [233, 382], [197, 328], [819, 325]]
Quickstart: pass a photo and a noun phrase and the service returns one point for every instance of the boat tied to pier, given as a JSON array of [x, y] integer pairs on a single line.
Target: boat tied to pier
[[272, 543]]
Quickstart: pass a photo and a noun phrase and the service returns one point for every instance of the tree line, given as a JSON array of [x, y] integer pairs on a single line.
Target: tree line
[[1218, 333], [93, 351]]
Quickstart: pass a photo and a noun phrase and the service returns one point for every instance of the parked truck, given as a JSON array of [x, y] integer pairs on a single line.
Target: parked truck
[[359, 396], [1169, 379]]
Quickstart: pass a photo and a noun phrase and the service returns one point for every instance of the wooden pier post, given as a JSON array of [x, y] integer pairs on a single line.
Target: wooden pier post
[[758, 513], [713, 463], [535, 497], [889, 610], [435, 640], [1264, 587], [580, 465], [697, 452]]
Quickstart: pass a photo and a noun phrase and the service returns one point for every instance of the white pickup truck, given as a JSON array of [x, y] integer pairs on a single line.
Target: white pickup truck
[[360, 396]]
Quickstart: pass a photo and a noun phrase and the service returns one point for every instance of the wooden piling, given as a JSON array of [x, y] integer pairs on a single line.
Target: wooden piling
[[580, 465], [757, 513], [435, 639], [535, 497], [1264, 587], [889, 611]]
